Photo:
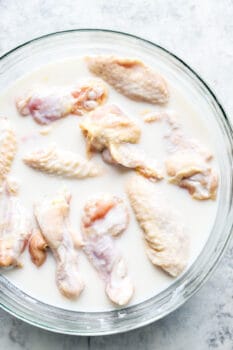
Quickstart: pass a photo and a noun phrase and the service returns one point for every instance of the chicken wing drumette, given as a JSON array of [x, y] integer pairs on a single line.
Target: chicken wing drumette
[[104, 218], [15, 229], [52, 216]]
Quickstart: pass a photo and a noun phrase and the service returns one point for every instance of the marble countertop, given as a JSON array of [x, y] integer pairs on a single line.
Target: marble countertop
[[201, 33]]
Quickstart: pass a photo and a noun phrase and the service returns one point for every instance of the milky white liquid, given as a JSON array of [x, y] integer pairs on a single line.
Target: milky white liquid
[[198, 216]]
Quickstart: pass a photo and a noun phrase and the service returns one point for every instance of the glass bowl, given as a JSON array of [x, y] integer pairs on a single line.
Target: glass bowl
[[60, 45]]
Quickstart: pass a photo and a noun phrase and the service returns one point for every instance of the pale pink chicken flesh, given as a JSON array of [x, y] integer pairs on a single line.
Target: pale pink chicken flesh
[[48, 105], [52, 216], [105, 217]]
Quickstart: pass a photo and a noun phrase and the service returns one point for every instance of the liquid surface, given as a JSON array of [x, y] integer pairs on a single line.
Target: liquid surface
[[147, 279]]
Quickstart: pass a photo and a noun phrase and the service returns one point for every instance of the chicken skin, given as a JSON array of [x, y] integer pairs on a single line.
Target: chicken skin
[[55, 161], [105, 217], [52, 104], [131, 78], [52, 216], [167, 245]]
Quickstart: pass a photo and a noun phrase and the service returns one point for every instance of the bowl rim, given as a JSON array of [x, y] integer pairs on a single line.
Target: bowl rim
[[208, 271]]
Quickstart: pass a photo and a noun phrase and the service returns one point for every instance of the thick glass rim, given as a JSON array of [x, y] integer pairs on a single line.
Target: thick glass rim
[[60, 320]]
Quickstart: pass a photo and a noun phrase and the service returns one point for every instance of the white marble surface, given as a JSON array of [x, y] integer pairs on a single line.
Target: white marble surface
[[200, 32]]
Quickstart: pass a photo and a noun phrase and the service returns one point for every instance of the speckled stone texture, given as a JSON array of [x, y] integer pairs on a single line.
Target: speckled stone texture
[[201, 33]]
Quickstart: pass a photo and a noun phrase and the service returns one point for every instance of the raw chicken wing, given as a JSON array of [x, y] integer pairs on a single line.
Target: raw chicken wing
[[8, 147], [167, 246], [15, 228], [108, 125], [188, 164], [111, 132], [105, 217], [53, 160], [49, 105], [53, 219], [131, 78]]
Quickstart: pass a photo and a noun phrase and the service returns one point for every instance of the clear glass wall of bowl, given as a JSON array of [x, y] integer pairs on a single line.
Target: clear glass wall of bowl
[[49, 48]]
